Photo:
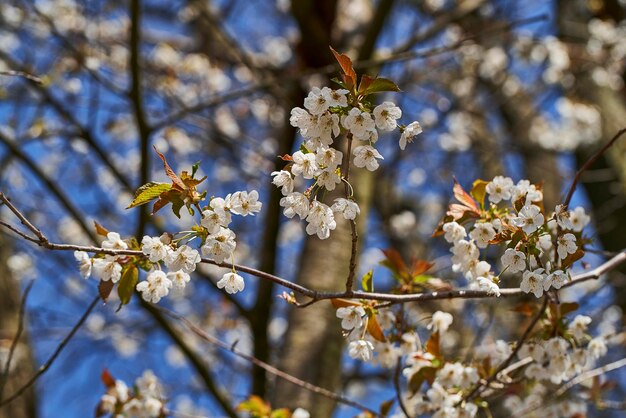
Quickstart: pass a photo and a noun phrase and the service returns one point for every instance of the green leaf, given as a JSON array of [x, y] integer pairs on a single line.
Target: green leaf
[[280, 413], [148, 192], [177, 205], [194, 169], [381, 85], [478, 191], [366, 282], [126, 286]]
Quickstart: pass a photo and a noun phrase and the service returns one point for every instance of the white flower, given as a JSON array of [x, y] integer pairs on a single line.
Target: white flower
[[566, 244], [179, 278], [327, 126], [440, 322], [513, 260], [487, 284], [578, 326], [149, 385], [385, 116], [453, 232], [154, 248], [529, 219], [107, 269], [328, 179], [84, 263], [155, 287], [316, 102], [362, 349], [555, 346], [295, 203], [536, 351], [412, 130], [533, 281], [305, 165], [359, 123], [524, 188], [450, 375], [563, 217], [365, 156], [597, 348], [464, 253], [555, 279], [321, 220], [220, 246], [244, 203], [482, 233], [351, 317], [231, 282], [336, 98], [114, 242], [499, 189], [153, 407], [299, 412], [348, 208], [283, 180], [184, 258], [579, 219], [477, 269], [328, 157], [545, 242], [304, 121]]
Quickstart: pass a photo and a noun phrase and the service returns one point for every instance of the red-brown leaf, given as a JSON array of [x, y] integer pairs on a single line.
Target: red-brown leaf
[[346, 66], [169, 172]]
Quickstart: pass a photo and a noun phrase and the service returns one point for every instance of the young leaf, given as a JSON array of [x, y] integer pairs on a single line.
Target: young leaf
[[107, 378], [374, 329], [104, 289], [343, 303], [366, 282], [385, 407], [432, 345], [127, 284], [572, 258], [100, 230], [346, 66], [478, 191], [380, 85], [464, 198], [194, 168], [170, 173], [148, 192], [365, 82]]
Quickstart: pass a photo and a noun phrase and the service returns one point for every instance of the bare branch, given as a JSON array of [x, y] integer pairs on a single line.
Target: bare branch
[[44, 367], [589, 163], [267, 367]]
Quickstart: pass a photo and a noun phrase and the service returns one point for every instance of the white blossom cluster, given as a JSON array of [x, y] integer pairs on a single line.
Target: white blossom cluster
[[326, 115], [145, 400], [607, 46], [180, 261], [538, 239], [555, 361], [535, 403], [578, 125]]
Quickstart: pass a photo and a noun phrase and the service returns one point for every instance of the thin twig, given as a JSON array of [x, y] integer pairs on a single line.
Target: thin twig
[[589, 163], [23, 74], [317, 295], [20, 328], [267, 367], [44, 367], [518, 346], [590, 374], [396, 385]]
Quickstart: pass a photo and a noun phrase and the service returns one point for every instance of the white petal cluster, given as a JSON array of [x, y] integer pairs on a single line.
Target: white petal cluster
[[156, 286], [146, 400], [326, 114]]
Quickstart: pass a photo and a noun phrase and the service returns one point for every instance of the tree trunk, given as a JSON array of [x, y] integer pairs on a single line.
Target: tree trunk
[[21, 368]]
